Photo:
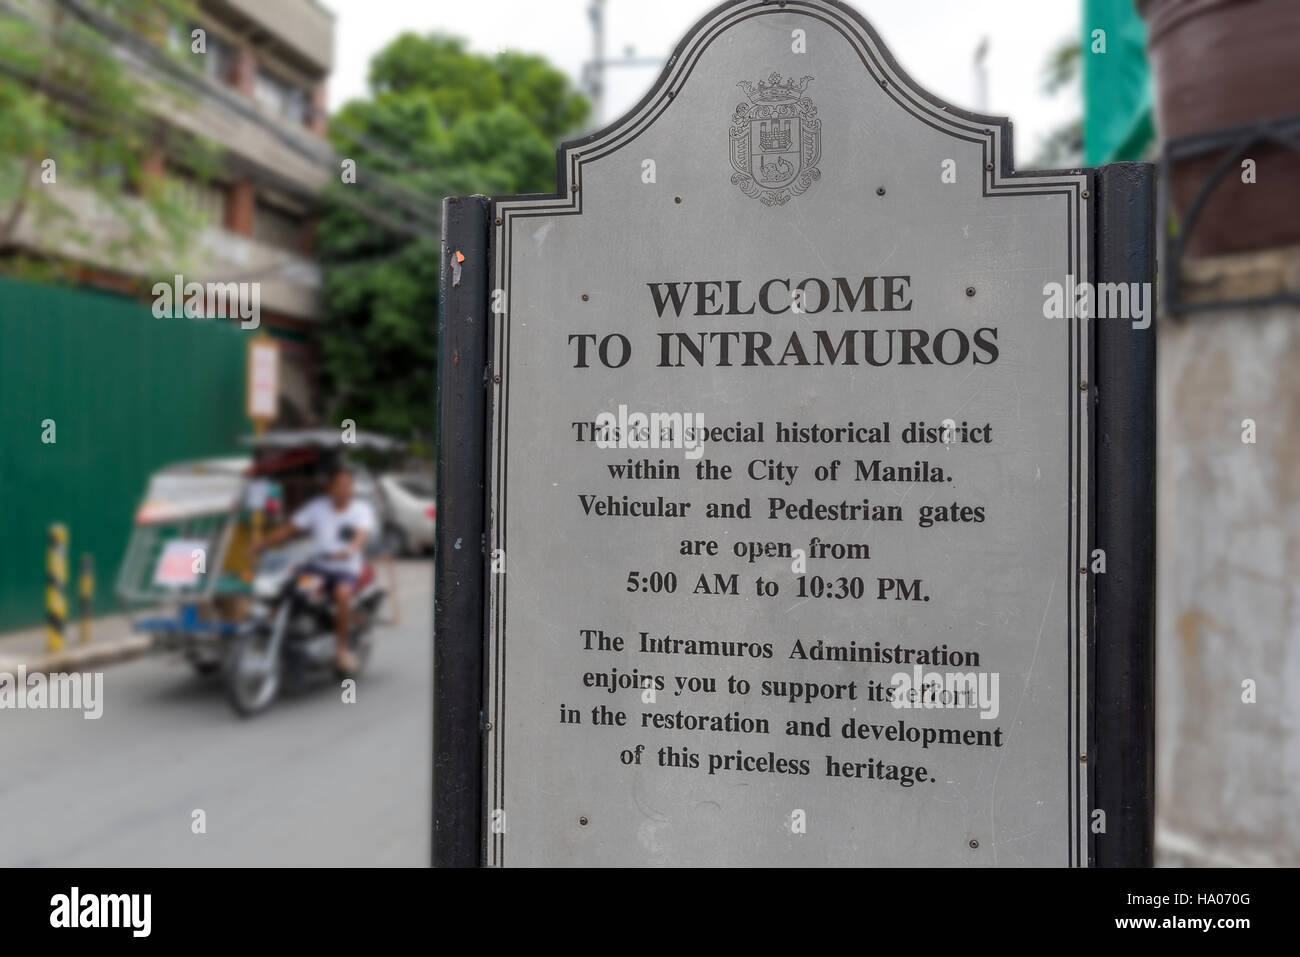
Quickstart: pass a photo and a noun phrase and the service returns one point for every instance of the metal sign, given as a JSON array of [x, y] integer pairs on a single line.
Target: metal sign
[[263, 379], [790, 537], [179, 562]]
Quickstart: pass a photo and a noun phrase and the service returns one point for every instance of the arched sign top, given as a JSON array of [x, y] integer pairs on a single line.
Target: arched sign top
[[778, 411], [795, 94]]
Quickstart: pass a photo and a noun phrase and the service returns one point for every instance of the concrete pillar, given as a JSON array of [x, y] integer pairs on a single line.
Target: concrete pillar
[[1228, 771], [153, 171], [245, 71], [319, 121], [241, 206], [308, 235]]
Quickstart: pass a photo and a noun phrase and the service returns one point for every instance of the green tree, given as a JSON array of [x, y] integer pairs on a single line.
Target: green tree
[[76, 121], [440, 120]]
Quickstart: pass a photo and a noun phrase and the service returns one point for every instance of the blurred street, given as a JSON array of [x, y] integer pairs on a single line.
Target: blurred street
[[312, 782], [222, 325]]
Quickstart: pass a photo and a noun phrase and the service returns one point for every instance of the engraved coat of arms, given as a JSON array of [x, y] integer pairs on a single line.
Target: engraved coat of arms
[[776, 140]]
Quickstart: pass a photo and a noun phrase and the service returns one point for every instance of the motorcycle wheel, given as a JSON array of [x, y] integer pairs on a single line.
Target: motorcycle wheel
[[252, 682]]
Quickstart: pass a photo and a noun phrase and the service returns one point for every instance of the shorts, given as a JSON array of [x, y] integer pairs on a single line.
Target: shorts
[[333, 577]]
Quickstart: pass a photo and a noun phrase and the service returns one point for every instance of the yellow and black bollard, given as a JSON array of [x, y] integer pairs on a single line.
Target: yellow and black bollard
[[56, 580], [85, 594]]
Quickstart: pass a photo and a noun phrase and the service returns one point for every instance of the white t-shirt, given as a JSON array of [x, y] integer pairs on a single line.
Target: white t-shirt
[[333, 531]]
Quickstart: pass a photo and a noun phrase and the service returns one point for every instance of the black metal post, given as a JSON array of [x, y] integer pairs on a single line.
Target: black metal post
[[459, 559], [1122, 746]]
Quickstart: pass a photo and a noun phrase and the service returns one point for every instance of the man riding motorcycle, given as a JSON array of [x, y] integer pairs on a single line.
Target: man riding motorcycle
[[339, 526]]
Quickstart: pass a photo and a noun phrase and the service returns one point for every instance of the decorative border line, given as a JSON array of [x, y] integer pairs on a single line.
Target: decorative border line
[[1000, 179]]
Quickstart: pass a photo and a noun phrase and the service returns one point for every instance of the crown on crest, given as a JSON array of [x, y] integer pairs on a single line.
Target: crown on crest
[[773, 90]]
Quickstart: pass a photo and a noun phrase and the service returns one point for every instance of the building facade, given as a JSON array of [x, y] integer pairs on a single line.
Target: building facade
[[258, 99]]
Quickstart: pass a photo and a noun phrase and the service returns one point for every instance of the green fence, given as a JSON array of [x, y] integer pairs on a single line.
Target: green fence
[[125, 393]]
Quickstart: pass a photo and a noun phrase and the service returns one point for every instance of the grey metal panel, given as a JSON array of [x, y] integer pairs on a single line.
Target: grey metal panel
[[1008, 589]]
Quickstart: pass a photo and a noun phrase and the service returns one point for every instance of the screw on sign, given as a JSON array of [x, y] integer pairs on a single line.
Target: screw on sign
[[716, 469]]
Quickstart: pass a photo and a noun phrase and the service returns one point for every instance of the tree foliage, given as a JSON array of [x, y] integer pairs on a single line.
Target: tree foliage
[[77, 117], [440, 120]]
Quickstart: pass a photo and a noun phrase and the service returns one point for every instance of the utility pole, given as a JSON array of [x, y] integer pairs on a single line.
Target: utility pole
[[594, 71], [982, 76], [596, 68]]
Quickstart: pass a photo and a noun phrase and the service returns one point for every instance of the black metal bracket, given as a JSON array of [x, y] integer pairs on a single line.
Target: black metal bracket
[[1231, 145], [460, 559], [1121, 746]]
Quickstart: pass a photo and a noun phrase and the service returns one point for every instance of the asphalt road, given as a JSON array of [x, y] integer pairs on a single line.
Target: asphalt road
[[311, 782]]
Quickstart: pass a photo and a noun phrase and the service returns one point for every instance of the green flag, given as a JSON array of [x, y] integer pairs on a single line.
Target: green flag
[[1117, 122]]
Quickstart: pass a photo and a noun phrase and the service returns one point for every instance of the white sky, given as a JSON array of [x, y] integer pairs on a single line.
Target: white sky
[[934, 40]]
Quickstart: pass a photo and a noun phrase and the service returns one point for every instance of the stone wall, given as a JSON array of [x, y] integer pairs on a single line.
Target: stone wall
[[1228, 772]]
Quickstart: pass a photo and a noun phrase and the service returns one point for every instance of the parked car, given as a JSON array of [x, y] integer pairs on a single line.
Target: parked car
[[412, 514]]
